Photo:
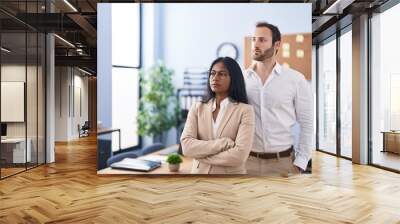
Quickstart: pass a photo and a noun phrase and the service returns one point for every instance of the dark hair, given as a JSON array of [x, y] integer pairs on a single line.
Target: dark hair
[[276, 34], [237, 88]]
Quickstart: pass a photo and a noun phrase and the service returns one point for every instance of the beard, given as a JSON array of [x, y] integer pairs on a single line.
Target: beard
[[268, 53]]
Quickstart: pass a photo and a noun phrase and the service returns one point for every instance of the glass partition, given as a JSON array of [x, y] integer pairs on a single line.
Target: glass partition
[[22, 77], [15, 151]]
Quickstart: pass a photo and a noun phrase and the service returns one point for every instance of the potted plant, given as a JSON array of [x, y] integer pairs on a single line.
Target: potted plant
[[174, 161], [158, 105]]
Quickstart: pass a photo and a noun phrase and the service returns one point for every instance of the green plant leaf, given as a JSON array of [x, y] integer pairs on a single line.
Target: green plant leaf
[[158, 106], [174, 159]]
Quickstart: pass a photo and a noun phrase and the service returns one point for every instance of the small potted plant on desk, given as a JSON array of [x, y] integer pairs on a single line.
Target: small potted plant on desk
[[174, 161]]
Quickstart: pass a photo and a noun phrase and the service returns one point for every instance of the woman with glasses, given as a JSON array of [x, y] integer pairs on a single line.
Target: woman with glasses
[[219, 131]]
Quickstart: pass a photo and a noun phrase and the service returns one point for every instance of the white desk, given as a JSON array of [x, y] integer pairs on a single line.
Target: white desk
[[18, 150], [185, 167]]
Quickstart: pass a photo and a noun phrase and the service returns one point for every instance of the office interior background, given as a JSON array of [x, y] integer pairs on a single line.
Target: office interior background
[[185, 38], [48, 83], [49, 74]]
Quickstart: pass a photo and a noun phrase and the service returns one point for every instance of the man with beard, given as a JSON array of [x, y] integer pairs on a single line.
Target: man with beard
[[281, 97]]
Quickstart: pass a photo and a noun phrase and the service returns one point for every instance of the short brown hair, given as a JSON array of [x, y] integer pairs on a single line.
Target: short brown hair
[[276, 34]]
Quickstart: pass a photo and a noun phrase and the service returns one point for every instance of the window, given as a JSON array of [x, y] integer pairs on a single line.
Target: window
[[346, 94], [385, 89], [327, 96], [125, 104], [125, 34], [394, 101], [125, 27], [118, 76]]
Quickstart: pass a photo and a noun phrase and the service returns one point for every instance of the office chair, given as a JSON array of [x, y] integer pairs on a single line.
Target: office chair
[[152, 148], [84, 130]]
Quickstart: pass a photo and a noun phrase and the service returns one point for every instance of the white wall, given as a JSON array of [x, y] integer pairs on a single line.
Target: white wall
[[61, 103], [191, 33], [80, 83], [68, 81], [104, 67]]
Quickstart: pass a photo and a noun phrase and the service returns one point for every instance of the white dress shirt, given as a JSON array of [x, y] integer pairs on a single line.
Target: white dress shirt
[[220, 114], [285, 98]]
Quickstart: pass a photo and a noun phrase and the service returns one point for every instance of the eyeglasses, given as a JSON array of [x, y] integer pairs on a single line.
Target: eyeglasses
[[222, 74]]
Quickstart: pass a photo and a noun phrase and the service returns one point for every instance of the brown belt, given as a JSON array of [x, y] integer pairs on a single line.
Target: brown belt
[[285, 153]]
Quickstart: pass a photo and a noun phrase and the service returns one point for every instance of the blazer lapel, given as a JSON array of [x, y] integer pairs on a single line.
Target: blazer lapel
[[228, 112], [209, 120]]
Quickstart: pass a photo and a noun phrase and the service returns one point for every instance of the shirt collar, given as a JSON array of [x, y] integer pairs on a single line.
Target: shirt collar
[[223, 104], [277, 70]]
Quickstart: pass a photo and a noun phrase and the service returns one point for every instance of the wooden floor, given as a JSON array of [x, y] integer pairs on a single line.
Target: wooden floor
[[387, 159], [69, 191], [5, 172], [10, 171]]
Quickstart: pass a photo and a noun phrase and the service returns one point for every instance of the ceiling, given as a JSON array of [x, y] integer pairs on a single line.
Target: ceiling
[[74, 22], [329, 16]]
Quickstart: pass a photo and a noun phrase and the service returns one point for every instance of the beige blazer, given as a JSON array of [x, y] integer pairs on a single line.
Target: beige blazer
[[228, 152]]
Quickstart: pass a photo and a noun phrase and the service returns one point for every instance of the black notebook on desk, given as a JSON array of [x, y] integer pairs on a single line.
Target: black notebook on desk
[[136, 164]]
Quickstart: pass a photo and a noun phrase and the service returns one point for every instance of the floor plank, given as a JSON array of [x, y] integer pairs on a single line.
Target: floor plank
[[386, 159], [69, 191]]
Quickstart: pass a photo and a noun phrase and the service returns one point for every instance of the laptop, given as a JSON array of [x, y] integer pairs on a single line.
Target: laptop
[[136, 165]]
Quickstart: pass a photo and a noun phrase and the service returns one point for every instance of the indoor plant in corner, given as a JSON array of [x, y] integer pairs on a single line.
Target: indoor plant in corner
[[174, 161], [158, 106]]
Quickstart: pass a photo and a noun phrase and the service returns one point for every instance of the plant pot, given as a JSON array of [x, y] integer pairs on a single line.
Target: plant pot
[[173, 167]]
